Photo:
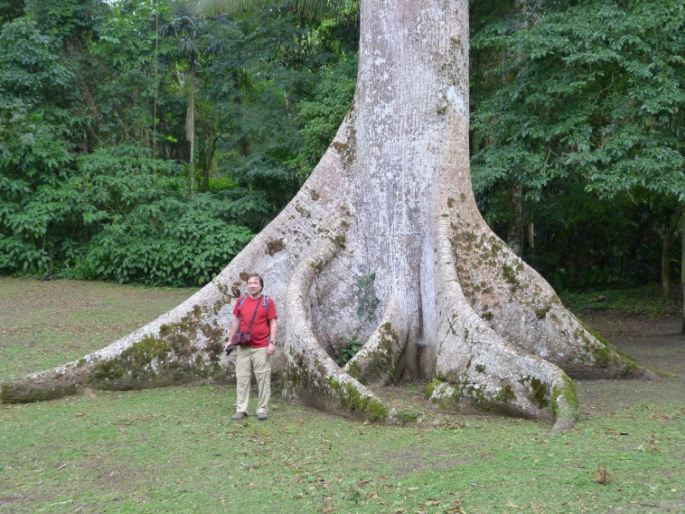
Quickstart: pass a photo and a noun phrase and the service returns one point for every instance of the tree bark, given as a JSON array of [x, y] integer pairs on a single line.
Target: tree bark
[[682, 266], [391, 199], [666, 247], [667, 239], [190, 127]]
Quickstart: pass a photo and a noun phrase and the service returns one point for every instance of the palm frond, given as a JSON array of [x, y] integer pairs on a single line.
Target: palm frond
[[311, 9]]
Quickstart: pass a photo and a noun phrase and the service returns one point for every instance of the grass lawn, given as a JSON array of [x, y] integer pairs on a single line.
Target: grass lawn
[[173, 449]]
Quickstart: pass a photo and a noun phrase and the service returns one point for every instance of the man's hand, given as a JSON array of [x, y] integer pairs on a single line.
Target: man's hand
[[270, 349]]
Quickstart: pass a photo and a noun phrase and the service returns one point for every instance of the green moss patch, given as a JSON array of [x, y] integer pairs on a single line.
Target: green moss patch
[[505, 394], [445, 396], [539, 392], [274, 246], [355, 403], [510, 274], [26, 392], [541, 313], [380, 363], [564, 400], [138, 365], [609, 357]]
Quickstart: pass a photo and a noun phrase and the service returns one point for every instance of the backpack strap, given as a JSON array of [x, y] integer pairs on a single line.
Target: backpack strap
[[266, 302]]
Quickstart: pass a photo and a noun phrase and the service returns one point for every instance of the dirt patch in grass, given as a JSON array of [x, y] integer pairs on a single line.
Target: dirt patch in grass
[[4, 500], [409, 461], [657, 344], [662, 507]]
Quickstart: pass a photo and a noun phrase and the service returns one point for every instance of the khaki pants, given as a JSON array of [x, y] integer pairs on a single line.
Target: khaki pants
[[248, 359]]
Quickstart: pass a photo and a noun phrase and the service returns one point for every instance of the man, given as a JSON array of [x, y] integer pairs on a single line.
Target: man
[[254, 314]]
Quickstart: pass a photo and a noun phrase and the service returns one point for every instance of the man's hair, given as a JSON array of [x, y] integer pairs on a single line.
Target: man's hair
[[261, 280]]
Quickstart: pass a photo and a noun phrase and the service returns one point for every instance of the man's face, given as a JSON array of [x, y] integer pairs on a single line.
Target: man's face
[[253, 286]]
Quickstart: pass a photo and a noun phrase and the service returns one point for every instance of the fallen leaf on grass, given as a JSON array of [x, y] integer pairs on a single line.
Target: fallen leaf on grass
[[455, 509], [602, 476]]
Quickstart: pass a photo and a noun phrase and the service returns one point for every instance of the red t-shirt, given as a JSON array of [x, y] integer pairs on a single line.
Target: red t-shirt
[[260, 330]]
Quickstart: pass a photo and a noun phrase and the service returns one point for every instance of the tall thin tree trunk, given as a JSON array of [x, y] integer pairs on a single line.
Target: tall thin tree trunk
[[210, 150], [531, 235], [156, 86], [190, 127], [666, 247], [516, 229], [667, 238], [682, 267]]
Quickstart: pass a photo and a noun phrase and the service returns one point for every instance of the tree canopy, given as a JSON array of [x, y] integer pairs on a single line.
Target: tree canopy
[[578, 102]]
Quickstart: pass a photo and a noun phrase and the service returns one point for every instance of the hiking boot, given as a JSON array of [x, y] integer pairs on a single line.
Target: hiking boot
[[238, 416], [261, 416]]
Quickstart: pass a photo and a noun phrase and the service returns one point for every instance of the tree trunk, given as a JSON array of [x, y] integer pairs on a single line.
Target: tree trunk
[[667, 238], [682, 266], [666, 247], [206, 160], [525, 11], [155, 96], [390, 203], [531, 236], [516, 223], [190, 126]]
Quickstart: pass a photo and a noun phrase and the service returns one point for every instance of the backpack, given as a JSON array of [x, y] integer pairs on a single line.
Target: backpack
[[266, 302]]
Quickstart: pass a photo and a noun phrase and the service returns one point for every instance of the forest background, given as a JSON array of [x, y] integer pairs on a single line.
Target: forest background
[[143, 142]]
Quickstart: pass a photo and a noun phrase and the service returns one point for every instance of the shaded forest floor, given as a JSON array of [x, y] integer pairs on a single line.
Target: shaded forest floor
[[173, 450], [655, 343]]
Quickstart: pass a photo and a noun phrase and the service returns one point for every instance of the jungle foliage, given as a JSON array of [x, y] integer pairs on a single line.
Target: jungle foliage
[[98, 103], [580, 104], [576, 104]]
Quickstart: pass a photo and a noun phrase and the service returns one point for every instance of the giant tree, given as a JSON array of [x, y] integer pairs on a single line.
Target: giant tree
[[388, 214]]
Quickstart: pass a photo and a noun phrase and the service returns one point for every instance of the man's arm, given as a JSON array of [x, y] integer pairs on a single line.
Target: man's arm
[[234, 328], [273, 336]]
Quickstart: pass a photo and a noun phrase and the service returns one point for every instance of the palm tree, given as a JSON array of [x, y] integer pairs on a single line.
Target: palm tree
[[186, 27]]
